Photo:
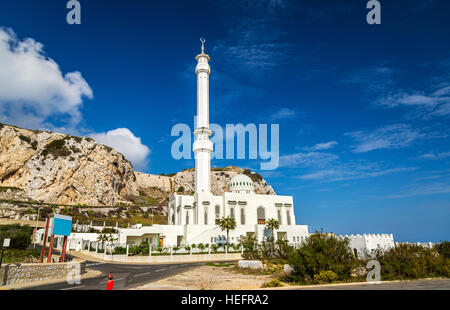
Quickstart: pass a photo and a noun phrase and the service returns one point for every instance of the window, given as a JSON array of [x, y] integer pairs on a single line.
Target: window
[[242, 216], [261, 214], [206, 216], [217, 209], [232, 212], [279, 216], [288, 216]]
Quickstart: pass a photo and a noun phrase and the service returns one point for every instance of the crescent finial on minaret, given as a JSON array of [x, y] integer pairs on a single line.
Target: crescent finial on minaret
[[203, 44]]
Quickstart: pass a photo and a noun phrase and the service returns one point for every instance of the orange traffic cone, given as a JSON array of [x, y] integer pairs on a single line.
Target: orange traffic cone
[[110, 283]]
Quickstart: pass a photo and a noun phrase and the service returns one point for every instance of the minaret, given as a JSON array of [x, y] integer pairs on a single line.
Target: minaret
[[202, 147]]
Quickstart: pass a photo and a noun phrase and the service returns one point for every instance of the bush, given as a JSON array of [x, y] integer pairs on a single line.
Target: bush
[[322, 252], [409, 261], [443, 249], [20, 235], [273, 283], [56, 148], [214, 248], [265, 250], [108, 230], [325, 277], [251, 248], [141, 249]]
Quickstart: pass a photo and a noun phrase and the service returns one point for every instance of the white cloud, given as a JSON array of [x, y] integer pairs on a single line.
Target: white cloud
[[124, 141], [32, 86], [317, 159], [424, 105], [388, 137], [347, 172], [283, 113], [423, 189], [323, 146], [435, 156]]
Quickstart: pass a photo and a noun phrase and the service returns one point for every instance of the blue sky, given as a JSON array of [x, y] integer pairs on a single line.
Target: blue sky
[[363, 109]]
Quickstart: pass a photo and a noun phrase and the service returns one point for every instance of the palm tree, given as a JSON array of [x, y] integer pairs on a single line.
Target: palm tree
[[227, 223], [102, 238], [273, 224]]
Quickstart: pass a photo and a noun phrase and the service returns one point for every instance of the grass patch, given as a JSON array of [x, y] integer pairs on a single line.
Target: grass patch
[[12, 188], [20, 256]]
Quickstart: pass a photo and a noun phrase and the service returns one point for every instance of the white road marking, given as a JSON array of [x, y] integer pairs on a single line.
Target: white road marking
[[72, 288], [160, 270], [142, 274]]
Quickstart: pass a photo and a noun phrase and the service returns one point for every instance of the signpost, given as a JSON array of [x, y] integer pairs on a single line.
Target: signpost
[[56, 225], [6, 243]]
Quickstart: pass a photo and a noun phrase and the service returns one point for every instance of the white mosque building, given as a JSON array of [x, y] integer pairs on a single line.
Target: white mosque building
[[194, 219]]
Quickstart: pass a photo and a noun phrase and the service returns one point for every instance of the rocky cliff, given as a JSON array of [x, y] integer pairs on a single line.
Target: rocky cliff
[[56, 168], [183, 181]]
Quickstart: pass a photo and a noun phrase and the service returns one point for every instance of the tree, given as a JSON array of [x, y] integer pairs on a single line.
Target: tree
[[273, 224], [227, 223], [102, 238], [201, 246]]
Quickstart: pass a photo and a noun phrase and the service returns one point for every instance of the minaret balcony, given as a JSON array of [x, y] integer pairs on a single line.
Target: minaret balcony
[[202, 67], [202, 145]]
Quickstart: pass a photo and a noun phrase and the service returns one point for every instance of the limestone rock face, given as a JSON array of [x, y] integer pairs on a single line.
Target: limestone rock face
[[184, 181], [61, 169], [57, 168]]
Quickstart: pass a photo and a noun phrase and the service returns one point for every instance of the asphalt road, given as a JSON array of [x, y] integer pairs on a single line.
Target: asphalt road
[[126, 276]]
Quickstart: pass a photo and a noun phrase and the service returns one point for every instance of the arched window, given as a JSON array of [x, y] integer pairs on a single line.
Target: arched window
[[206, 216], [232, 212], [261, 214], [242, 216], [187, 217]]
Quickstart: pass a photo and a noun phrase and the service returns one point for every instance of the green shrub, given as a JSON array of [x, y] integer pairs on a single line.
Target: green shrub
[[108, 230], [273, 283], [56, 148], [265, 250], [443, 249], [325, 277], [409, 261], [322, 252], [120, 250], [141, 249], [214, 248], [25, 138], [20, 235]]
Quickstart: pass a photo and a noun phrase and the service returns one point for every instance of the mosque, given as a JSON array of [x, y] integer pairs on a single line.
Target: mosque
[[194, 219]]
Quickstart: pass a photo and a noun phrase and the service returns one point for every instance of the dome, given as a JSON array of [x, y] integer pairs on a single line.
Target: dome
[[241, 182]]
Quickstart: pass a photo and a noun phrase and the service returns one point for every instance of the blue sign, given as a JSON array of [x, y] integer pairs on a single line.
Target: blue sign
[[62, 225]]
